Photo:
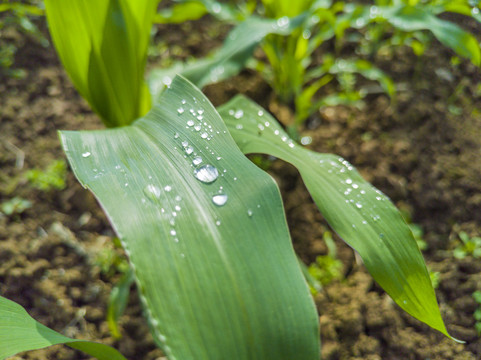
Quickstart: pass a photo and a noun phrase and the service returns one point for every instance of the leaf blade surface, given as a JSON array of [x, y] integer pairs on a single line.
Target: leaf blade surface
[[216, 282], [362, 216], [20, 332]]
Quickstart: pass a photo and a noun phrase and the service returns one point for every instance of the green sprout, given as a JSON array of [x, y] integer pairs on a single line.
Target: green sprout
[[327, 268], [52, 177], [477, 312], [16, 205], [470, 246]]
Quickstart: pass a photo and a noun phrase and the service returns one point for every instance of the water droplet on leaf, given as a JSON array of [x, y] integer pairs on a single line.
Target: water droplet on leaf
[[197, 160], [152, 192], [207, 173], [219, 199]]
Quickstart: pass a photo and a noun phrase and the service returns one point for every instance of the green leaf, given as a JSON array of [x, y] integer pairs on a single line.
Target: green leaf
[[119, 297], [361, 215], [181, 12], [226, 62], [20, 332], [413, 19], [104, 51], [217, 281]]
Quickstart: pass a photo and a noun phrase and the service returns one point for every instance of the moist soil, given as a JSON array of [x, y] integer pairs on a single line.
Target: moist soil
[[422, 151]]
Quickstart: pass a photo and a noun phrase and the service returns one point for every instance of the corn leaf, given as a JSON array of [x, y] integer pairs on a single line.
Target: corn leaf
[[361, 215], [181, 12], [226, 62], [204, 230], [104, 50], [417, 18], [20, 332], [463, 43]]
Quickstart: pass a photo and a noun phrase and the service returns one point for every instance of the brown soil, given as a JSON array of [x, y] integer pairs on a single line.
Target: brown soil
[[418, 152]]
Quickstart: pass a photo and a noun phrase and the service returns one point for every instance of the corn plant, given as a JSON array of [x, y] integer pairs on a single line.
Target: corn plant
[[289, 67], [203, 227]]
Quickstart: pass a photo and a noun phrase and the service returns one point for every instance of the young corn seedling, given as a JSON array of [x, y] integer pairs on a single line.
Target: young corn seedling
[[289, 48], [202, 226]]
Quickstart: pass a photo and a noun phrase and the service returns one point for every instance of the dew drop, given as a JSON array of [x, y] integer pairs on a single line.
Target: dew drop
[[306, 140], [348, 181], [238, 114], [219, 199], [355, 186], [190, 123], [283, 21], [189, 150], [217, 222], [197, 160], [216, 8], [260, 113], [86, 154], [204, 135], [197, 127], [183, 101], [249, 213], [152, 191], [180, 110], [358, 205], [177, 207], [176, 135], [167, 188], [173, 232], [239, 127], [207, 173]]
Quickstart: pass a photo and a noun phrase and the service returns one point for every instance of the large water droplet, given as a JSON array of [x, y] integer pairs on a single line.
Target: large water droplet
[[86, 154], [152, 192], [207, 173], [219, 199]]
